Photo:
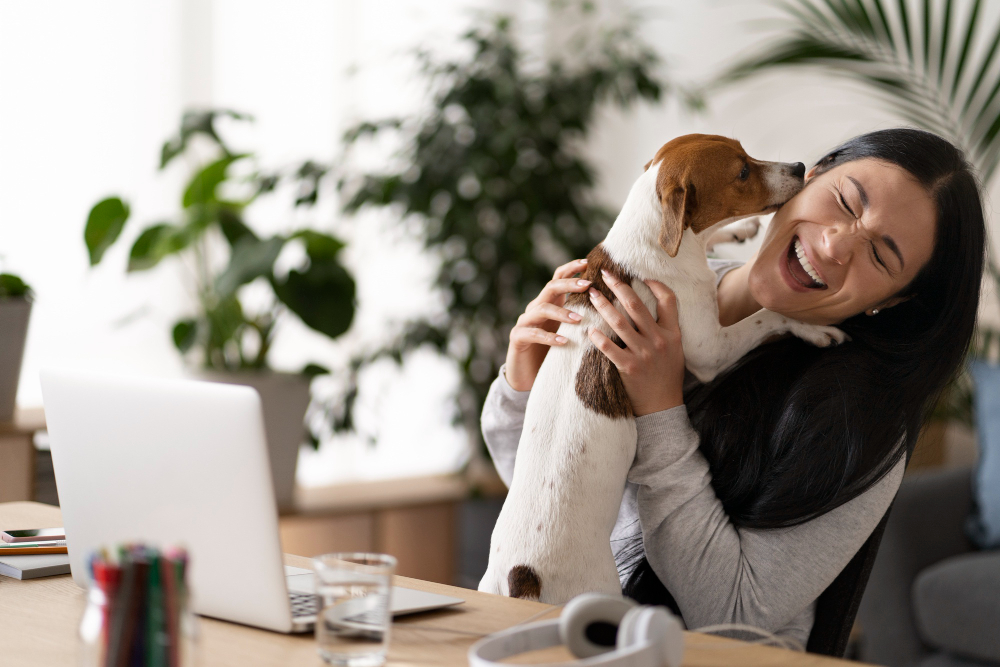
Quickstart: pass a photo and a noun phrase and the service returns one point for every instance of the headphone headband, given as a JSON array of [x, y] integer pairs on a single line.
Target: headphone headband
[[643, 636], [489, 651]]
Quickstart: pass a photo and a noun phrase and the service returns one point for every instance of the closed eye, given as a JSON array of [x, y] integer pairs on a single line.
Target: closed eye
[[878, 258], [843, 203]]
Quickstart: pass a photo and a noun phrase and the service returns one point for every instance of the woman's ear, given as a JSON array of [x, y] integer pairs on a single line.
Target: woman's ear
[[894, 301], [810, 173]]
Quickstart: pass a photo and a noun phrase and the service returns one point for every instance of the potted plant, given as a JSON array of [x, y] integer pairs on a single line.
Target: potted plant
[[15, 308], [494, 176], [228, 341]]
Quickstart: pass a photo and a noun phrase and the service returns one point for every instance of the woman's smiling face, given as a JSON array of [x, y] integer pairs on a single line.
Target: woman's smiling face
[[854, 237]]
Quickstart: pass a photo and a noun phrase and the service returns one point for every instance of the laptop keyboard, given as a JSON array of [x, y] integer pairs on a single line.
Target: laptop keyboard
[[303, 604]]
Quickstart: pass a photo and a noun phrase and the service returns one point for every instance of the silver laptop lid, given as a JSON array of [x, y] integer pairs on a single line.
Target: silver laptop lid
[[171, 462]]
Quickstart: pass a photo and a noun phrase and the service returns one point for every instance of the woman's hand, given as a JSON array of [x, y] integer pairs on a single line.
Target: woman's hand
[[652, 363], [534, 333]]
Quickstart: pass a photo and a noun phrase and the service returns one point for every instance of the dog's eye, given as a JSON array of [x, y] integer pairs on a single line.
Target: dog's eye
[[745, 174]]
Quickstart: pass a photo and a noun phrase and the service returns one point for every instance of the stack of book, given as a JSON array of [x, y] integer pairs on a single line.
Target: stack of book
[[27, 559]]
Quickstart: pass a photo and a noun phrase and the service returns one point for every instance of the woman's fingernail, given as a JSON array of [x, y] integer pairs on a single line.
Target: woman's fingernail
[[583, 261], [582, 283], [575, 317], [592, 292], [560, 339], [607, 276]]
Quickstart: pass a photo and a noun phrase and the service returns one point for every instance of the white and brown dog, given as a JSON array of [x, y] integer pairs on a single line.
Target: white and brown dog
[[552, 540]]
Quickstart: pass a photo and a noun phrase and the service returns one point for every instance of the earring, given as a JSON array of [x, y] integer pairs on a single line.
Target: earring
[[874, 311]]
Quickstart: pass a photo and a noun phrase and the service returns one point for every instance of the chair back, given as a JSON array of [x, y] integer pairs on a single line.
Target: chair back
[[838, 605]]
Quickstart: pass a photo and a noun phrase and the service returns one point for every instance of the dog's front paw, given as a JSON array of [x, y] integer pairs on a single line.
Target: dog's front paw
[[820, 336], [747, 229], [737, 232]]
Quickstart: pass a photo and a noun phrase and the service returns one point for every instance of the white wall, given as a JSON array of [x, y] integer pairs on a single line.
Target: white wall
[[87, 90]]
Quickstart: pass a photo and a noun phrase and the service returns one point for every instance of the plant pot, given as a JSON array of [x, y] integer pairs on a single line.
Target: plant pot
[[14, 315], [285, 397]]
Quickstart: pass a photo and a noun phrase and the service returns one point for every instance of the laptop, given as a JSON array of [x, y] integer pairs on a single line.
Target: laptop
[[182, 462]]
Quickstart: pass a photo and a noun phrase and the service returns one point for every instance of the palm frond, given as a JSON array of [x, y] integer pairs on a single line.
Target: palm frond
[[925, 59]]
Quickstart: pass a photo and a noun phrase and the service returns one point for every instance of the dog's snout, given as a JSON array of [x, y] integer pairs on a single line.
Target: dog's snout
[[798, 170]]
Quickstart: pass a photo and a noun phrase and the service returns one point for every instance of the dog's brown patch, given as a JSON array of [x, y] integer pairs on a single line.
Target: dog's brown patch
[[598, 384], [597, 260], [522, 582]]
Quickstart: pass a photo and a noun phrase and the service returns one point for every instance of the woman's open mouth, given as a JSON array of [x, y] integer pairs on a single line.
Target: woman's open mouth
[[799, 267]]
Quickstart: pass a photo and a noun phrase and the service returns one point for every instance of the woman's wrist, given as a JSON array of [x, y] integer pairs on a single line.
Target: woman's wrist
[[518, 381], [659, 405]]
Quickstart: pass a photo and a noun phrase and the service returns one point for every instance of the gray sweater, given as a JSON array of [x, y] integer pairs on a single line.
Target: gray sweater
[[717, 573]]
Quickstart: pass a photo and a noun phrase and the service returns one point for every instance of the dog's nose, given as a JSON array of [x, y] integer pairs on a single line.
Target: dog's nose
[[798, 169]]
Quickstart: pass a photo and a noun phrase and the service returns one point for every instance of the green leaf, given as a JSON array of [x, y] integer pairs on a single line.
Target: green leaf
[[225, 321], [104, 224], [309, 175], [318, 245], [369, 129], [184, 334], [232, 225], [970, 32], [323, 294], [195, 123], [944, 36], [904, 21], [154, 244], [312, 370], [926, 32], [12, 287], [203, 185], [250, 260]]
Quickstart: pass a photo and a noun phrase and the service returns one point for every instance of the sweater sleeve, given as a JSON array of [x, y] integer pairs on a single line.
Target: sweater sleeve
[[719, 573], [502, 421]]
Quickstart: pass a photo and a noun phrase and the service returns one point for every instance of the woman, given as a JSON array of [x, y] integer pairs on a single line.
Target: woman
[[751, 493]]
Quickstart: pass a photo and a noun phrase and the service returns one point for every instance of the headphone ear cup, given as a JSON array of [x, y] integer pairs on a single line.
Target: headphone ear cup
[[589, 624], [656, 626], [628, 634]]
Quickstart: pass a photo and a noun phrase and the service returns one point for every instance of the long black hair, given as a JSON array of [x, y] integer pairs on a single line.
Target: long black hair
[[793, 431]]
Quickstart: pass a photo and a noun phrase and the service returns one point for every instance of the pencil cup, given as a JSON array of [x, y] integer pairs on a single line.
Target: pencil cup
[[353, 619], [138, 610]]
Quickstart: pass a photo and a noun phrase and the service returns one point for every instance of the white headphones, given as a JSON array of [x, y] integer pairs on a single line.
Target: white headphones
[[605, 629]]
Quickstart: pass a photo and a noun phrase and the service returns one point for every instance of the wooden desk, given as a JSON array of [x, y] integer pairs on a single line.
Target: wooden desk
[[38, 623]]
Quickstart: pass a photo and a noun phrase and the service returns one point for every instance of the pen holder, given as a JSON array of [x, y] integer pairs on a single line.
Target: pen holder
[[138, 612]]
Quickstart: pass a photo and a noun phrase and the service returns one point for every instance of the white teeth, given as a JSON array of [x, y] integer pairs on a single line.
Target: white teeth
[[801, 253]]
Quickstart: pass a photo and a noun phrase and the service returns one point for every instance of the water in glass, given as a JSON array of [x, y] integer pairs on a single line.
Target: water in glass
[[352, 627]]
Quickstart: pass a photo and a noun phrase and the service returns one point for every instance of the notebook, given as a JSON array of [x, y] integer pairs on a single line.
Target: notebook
[[32, 567]]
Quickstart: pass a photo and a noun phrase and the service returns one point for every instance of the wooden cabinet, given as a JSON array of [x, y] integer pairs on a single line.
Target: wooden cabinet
[[17, 454], [413, 519]]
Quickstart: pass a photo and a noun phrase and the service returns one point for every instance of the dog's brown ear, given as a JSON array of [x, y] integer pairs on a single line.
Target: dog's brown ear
[[678, 203], [647, 165]]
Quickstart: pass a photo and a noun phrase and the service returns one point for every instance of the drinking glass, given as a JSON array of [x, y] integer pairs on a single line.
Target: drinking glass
[[353, 620]]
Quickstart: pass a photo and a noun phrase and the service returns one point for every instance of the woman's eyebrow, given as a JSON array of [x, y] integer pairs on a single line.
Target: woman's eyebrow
[[887, 240], [861, 191]]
